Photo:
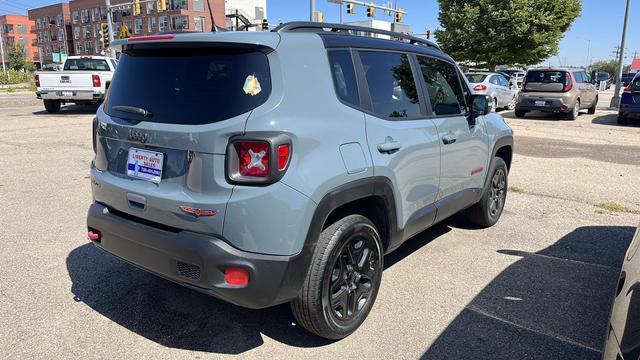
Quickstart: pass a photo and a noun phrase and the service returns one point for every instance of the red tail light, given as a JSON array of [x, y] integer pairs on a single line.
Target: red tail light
[[627, 89], [480, 87], [569, 85], [283, 157], [258, 160], [94, 235], [37, 78], [236, 276], [96, 80]]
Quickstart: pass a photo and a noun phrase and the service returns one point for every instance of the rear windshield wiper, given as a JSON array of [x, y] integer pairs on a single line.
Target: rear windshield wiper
[[133, 110]]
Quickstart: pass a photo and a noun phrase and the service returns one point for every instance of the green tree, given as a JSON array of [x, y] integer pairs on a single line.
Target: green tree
[[504, 32], [609, 66], [16, 59]]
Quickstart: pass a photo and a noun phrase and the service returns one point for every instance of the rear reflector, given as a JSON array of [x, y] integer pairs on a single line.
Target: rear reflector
[[96, 80], [283, 156], [94, 235], [151, 38], [236, 276]]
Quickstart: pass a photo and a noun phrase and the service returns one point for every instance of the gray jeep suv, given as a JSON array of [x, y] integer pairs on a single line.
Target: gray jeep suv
[[272, 167]]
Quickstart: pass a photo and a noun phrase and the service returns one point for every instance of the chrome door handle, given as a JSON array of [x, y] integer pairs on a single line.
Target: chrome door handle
[[389, 146], [448, 139]]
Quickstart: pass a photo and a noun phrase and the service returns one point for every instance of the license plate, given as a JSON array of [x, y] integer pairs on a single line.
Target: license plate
[[541, 103], [67, 93], [145, 164]]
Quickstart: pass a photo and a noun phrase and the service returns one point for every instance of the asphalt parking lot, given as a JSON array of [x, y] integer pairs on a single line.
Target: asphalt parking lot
[[538, 285]]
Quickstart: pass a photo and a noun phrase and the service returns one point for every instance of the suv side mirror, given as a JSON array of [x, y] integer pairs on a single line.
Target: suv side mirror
[[480, 105]]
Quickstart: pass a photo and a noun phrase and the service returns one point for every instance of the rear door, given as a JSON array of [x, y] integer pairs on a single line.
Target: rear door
[[163, 130], [464, 148], [403, 141]]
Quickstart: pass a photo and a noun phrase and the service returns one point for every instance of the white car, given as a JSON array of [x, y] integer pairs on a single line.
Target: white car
[[83, 79], [494, 85]]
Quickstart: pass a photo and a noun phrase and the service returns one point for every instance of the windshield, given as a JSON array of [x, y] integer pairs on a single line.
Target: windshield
[[602, 76], [86, 64], [476, 78], [189, 86]]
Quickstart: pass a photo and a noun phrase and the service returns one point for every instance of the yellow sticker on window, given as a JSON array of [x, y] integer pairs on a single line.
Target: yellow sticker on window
[[252, 86]]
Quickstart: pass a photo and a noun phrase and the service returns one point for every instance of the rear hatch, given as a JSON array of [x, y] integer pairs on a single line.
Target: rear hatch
[[546, 81], [631, 95], [164, 127]]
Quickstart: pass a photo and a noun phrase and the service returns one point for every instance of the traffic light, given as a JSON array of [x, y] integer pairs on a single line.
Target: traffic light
[[104, 35], [399, 16], [351, 9], [136, 8], [428, 34], [265, 25], [371, 10], [162, 5], [319, 16]]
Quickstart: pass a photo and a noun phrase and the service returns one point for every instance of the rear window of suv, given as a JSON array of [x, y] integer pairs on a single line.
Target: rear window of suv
[[189, 86], [545, 80]]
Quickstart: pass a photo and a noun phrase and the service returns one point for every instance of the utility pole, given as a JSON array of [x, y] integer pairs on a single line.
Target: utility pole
[[110, 25], [341, 12], [588, 53], [4, 69], [615, 101], [312, 9]]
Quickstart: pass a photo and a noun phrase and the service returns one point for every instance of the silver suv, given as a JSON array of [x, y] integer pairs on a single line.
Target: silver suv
[[271, 167]]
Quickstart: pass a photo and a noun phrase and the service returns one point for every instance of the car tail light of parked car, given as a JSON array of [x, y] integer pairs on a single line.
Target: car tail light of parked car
[[37, 79], [628, 89], [258, 161], [480, 87], [96, 80], [569, 84]]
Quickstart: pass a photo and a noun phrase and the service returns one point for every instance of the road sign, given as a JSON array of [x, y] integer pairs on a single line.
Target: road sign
[[124, 32]]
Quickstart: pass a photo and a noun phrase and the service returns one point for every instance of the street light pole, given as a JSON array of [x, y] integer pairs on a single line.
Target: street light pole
[[588, 54], [615, 101], [312, 9], [110, 26], [4, 69]]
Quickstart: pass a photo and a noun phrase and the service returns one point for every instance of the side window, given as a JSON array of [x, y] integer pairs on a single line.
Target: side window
[[503, 81], [635, 85], [391, 84], [494, 80], [578, 76], [445, 92], [344, 76], [586, 77]]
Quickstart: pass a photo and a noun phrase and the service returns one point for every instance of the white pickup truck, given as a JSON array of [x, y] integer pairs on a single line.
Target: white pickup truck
[[83, 80]]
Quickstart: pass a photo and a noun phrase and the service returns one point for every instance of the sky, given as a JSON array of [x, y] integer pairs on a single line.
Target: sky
[[600, 22]]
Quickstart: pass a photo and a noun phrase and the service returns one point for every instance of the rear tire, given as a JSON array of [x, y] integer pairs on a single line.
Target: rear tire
[[520, 113], [343, 279], [52, 106], [575, 112], [488, 210], [592, 109], [622, 120]]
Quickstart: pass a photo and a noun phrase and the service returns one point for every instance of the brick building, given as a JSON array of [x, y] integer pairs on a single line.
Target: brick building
[[181, 15], [52, 31], [17, 30]]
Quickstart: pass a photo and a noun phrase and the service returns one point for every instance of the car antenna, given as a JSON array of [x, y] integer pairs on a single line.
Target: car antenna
[[213, 21]]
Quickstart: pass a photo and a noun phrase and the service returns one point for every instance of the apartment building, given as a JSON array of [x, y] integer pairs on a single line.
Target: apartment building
[[52, 31], [17, 30], [245, 14], [82, 19], [181, 15]]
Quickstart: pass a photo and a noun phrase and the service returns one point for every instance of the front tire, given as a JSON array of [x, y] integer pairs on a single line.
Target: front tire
[[488, 210], [520, 113], [622, 120], [343, 279], [592, 109], [52, 106]]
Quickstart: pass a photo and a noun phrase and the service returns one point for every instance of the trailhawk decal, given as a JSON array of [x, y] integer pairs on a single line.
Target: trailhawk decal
[[198, 212]]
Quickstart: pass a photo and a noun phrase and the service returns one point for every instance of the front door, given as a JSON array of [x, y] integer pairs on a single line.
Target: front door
[[464, 147]]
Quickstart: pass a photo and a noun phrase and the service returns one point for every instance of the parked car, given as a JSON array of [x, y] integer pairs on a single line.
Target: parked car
[[602, 76], [516, 79], [627, 77], [623, 335], [557, 90], [630, 101], [224, 164], [52, 67], [83, 80], [495, 86]]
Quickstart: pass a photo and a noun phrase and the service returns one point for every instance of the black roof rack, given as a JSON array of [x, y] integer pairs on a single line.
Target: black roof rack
[[352, 30]]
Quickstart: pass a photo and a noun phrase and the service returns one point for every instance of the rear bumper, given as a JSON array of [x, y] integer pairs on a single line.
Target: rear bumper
[[550, 105], [630, 112], [198, 261], [76, 95]]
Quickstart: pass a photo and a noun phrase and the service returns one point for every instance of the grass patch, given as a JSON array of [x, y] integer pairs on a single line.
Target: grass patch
[[11, 90], [605, 207], [516, 189]]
